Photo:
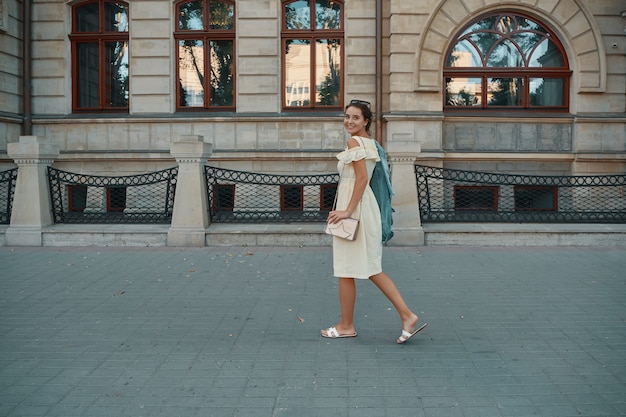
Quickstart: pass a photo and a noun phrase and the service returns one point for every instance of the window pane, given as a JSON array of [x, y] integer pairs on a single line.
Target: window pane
[[222, 76], [328, 15], [505, 54], [484, 41], [505, 91], [222, 15], [547, 92], [297, 72], [527, 24], [463, 92], [328, 72], [487, 23], [190, 16], [547, 54], [191, 73], [116, 17], [88, 74], [117, 73], [464, 54], [527, 40], [86, 18], [536, 198], [298, 15], [475, 198]]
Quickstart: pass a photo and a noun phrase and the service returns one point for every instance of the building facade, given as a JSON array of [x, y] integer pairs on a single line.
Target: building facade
[[517, 86]]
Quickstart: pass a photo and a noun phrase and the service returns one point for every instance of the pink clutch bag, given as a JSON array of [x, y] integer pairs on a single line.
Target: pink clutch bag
[[345, 228]]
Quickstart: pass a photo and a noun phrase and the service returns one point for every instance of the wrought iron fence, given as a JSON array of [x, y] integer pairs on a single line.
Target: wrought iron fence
[[247, 197], [449, 195], [146, 198], [7, 190]]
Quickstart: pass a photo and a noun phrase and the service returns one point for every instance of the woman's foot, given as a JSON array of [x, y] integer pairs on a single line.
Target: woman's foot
[[410, 329], [335, 332]]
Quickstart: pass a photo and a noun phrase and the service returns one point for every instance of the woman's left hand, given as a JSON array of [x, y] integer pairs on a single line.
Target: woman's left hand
[[336, 215]]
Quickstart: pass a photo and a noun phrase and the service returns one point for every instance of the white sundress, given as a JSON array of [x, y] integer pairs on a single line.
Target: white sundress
[[362, 257]]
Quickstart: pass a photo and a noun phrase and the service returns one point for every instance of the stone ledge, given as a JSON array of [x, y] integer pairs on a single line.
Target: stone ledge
[[524, 234], [312, 234]]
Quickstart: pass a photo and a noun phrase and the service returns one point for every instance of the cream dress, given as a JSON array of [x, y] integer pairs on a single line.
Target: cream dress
[[360, 258]]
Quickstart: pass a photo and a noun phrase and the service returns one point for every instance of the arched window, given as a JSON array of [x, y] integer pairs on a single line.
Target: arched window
[[506, 61], [205, 52], [100, 56], [312, 39]]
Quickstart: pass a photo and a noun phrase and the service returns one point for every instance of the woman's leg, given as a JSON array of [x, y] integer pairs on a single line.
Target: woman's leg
[[389, 289], [347, 299]]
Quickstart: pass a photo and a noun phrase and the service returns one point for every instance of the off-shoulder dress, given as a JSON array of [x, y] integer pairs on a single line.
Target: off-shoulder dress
[[362, 257]]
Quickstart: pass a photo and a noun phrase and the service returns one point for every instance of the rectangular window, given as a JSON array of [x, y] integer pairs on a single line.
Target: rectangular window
[[116, 199], [100, 62], [205, 54], [76, 198], [529, 197], [291, 197], [327, 196], [312, 47], [224, 197], [475, 197]]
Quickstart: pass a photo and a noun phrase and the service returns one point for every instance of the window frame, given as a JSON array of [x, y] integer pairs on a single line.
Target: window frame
[[551, 188], [285, 196], [311, 34], [324, 190], [495, 191], [76, 198], [206, 35], [116, 198], [485, 73], [219, 197], [101, 37]]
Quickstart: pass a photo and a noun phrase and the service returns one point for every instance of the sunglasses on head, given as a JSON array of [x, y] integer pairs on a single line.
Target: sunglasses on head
[[364, 103]]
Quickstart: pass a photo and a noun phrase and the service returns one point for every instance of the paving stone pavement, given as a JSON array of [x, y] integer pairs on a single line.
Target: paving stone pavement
[[225, 332]]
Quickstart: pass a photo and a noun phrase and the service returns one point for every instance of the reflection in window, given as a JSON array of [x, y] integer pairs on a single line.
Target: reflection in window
[[506, 60], [467, 92], [206, 74], [312, 56], [547, 91], [505, 91], [100, 56]]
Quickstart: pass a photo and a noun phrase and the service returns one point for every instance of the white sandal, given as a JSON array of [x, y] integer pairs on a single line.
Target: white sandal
[[407, 335], [332, 333]]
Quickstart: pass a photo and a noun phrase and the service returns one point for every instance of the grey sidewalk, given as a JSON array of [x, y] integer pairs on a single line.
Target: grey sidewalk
[[235, 332]]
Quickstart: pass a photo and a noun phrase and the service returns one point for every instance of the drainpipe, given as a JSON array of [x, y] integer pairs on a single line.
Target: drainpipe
[[27, 113], [379, 71]]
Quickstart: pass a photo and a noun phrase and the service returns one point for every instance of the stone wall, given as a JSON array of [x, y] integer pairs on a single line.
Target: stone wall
[[10, 75], [415, 37]]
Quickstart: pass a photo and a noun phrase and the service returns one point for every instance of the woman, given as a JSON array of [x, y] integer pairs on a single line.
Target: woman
[[362, 257]]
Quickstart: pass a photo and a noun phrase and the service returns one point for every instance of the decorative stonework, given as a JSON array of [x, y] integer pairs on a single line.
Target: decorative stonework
[[571, 19]]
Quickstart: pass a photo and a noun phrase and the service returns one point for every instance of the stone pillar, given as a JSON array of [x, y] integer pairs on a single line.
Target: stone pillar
[[190, 216], [407, 226], [32, 209]]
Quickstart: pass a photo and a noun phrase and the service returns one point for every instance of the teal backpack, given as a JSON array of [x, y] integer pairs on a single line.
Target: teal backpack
[[381, 186]]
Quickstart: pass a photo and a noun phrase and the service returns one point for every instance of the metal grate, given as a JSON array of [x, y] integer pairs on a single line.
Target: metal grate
[[247, 197], [7, 190], [146, 198], [450, 195]]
